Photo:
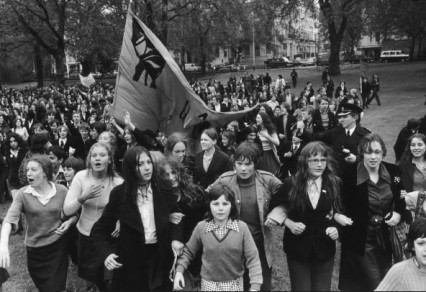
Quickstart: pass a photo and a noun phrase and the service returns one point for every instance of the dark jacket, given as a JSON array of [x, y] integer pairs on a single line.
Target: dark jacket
[[13, 164], [220, 163], [401, 142], [355, 202], [279, 121], [67, 145], [407, 175], [317, 121], [130, 245], [338, 89], [313, 242], [289, 164]]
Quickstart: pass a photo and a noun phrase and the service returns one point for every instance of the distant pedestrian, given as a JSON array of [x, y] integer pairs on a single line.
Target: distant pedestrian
[[375, 87], [325, 75], [294, 77]]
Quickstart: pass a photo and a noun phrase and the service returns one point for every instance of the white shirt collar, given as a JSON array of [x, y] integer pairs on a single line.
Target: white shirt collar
[[317, 181], [30, 190], [351, 131]]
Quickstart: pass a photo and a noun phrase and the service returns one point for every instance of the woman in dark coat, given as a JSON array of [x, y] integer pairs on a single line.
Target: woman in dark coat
[[141, 257], [14, 156], [413, 174], [341, 87], [310, 197], [372, 203], [210, 163]]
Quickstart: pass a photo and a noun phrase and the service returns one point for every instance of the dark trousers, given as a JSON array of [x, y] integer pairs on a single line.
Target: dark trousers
[[266, 270], [311, 275], [364, 101], [294, 82], [376, 96]]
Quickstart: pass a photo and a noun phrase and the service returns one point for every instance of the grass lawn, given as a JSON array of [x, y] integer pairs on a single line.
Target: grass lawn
[[402, 93]]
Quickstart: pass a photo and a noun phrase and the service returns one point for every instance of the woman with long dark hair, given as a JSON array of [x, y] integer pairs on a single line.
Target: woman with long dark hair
[[141, 257], [189, 196], [228, 144], [270, 141], [413, 174], [311, 197]]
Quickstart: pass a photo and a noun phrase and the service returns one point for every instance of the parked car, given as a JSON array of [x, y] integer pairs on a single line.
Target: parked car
[[393, 56], [323, 59], [191, 67], [278, 63], [307, 62], [226, 68]]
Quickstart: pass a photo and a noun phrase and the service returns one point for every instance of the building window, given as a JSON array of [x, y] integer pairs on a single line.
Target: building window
[[225, 53]]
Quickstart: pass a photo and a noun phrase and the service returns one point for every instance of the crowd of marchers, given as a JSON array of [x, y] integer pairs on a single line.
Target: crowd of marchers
[[135, 210]]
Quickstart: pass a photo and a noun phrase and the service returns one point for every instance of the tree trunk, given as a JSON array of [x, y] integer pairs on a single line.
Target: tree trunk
[[419, 53], [38, 64], [60, 67], [412, 45], [334, 60], [203, 55]]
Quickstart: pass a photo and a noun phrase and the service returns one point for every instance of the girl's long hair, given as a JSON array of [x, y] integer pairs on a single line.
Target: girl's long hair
[[267, 123], [191, 194], [130, 174], [330, 181]]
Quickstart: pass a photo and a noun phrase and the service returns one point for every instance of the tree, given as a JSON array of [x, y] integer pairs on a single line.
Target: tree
[[336, 14], [355, 29], [397, 19], [15, 44], [45, 21], [95, 31]]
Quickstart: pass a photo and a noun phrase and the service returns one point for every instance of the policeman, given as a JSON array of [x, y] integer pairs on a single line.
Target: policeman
[[345, 138]]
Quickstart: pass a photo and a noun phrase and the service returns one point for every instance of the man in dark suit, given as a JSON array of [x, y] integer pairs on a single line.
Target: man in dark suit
[[289, 154], [283, 123]]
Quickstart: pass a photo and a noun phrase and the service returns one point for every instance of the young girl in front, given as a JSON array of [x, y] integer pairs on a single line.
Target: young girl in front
[[226, 243]]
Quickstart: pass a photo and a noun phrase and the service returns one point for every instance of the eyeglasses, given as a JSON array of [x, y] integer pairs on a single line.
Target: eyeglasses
[[317, 161]]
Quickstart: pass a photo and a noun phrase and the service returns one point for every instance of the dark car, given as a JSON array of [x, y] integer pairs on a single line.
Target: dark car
[[277, 63], [225, 68]]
